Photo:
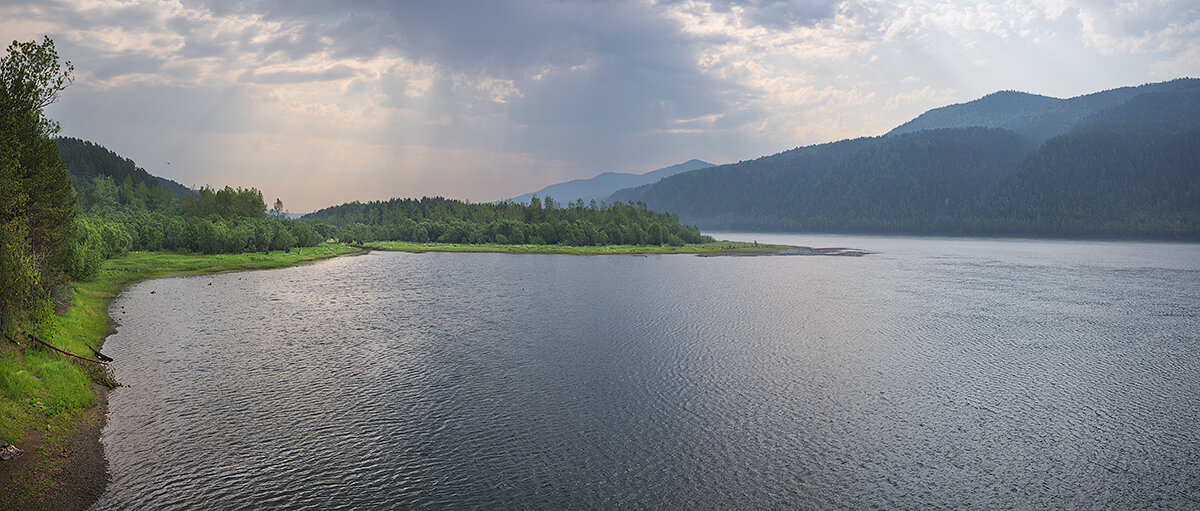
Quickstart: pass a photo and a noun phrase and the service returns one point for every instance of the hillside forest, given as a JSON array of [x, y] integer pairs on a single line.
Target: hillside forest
[[1116, 164]]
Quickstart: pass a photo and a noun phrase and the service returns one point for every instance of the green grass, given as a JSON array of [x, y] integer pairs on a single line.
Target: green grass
[[719, 247], [40, 388]]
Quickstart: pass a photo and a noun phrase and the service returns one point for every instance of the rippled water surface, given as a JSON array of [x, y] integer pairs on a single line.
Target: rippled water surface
[[936, 373]]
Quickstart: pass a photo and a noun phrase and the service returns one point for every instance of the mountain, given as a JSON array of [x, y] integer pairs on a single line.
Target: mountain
[[1038, 118], [600, 187], [1128, 169], [86, 160], [796, 169]]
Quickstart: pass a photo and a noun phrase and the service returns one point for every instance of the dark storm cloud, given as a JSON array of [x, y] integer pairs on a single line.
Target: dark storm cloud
[[588, 79], [574, 80], [496, 35], [614, 74]]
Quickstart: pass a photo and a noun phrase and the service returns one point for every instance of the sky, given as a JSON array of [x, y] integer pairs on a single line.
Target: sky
[[320, 103]]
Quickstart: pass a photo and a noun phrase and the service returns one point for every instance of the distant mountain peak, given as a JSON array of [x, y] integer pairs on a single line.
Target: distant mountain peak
[[1120, 162], [1013, 93], [1033, 116], [600, 187]]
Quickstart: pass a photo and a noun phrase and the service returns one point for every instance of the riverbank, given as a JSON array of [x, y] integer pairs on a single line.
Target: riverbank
[[49, 407], [718, 247]]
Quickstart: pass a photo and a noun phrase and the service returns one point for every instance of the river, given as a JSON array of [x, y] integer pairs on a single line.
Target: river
[[933, 373]]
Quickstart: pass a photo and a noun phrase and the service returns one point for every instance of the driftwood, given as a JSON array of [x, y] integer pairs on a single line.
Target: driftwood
[[65, 352], [102, 357]]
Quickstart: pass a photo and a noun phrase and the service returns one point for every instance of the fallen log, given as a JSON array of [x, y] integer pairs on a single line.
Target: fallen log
[[65, 352], [102, 357]]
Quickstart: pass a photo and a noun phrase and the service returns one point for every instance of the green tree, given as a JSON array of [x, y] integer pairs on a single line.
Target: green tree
[[37, 204], [284, 239], [654, 235], [104, 193]]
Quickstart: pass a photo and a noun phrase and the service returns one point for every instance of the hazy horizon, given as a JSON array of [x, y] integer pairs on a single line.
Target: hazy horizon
[[323, 104]]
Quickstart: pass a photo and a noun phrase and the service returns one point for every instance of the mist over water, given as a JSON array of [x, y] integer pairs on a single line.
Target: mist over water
[[935, 373]]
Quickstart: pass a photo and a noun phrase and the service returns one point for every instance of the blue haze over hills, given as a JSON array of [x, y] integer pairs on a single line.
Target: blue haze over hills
[[1118, 163], [1037, 118], [599, 188]]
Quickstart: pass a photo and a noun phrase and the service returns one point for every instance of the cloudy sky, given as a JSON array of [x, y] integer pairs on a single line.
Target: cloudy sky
[[320, 103]]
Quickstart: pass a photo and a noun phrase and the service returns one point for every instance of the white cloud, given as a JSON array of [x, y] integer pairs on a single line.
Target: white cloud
[[528, 91], [920, 99], [1183, 63]]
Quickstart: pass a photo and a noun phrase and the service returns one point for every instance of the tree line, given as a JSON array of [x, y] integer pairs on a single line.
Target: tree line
[[540, 222], [143, 212]]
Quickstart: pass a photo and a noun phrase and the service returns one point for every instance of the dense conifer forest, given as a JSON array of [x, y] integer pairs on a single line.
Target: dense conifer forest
[[1124, 163]]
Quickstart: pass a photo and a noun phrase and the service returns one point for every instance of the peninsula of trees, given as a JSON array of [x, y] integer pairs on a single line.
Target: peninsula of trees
[[540, 222]]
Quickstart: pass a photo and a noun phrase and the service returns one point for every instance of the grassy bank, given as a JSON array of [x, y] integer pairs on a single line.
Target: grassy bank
[[42, 392], [719, 247]]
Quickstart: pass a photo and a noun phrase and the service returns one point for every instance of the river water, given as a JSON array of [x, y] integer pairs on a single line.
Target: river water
[[935, 373]]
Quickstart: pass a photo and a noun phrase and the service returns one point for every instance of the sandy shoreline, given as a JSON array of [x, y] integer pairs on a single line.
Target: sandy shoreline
[[85, 477], [796, 251], [78, 473]]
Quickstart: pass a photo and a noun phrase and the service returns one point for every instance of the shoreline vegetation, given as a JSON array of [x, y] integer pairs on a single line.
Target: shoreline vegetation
[[713, 248], [51, 401]]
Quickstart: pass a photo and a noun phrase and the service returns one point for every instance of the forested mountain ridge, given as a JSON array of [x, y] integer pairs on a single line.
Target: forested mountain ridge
[[600, 187], [1035, 117], [796, 169], [87, 160], [1131, 169]]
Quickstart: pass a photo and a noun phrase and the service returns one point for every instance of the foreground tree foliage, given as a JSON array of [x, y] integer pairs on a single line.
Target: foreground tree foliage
[[541, 222], [37, 205]]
